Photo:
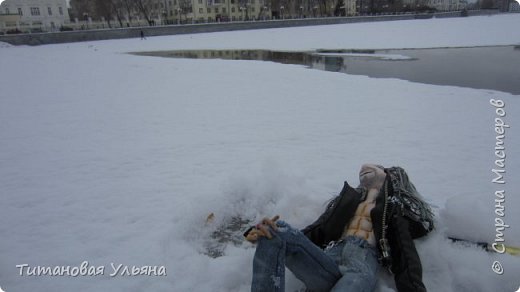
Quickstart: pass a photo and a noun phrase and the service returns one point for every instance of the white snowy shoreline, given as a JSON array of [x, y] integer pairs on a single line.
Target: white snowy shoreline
[[109, 157]]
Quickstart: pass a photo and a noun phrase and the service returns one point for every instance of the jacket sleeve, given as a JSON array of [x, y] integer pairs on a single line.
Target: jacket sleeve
[[315, 230], [331, 223], [406, 264]]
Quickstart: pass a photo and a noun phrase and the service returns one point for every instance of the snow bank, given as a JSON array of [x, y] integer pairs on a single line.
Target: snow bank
[[5, 45]]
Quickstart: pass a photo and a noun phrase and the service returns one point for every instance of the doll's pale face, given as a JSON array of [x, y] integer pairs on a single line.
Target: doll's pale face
[[372, 176]]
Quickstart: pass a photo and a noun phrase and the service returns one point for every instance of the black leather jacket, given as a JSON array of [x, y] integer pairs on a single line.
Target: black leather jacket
[[405, 262]]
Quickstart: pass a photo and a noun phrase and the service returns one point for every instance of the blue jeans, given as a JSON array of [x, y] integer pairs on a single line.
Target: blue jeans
[[350, 265]]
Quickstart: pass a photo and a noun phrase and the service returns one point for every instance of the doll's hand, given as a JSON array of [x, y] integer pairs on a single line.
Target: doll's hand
[[261, 229]]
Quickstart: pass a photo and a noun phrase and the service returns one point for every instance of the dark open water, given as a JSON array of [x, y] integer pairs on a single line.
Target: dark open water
[[496, 68]]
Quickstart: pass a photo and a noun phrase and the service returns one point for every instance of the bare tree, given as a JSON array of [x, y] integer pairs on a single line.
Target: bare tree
[[144, 7], [118, 10], [339, 8], [321, 7], [104, 8], [83, 9], [129, 8], [487, 4]]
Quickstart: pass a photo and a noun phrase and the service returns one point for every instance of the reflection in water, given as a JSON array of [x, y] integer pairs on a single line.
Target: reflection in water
[[476, 67], [309, 59]]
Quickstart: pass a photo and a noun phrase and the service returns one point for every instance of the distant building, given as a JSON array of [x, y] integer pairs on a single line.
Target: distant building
[[36, 15], [9, 22], [224, 10], [448, 5], [161, 12]]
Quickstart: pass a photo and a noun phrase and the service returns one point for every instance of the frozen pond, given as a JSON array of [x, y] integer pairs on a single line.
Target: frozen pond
[[476, 67]]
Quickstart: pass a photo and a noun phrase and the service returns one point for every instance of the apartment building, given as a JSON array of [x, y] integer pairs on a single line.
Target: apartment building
[[36, 15], [201, 11], [188, 11], [8, 22], [223, 10]]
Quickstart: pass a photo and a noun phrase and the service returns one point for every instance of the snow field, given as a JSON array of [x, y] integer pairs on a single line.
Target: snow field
[[114, 158]]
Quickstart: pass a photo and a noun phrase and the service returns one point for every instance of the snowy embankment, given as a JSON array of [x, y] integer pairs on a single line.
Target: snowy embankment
[[114, 158]]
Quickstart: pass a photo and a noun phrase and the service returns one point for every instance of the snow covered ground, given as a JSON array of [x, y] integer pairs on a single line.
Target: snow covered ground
[[108, 157]]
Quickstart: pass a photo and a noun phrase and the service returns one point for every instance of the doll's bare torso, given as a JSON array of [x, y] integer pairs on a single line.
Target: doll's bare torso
[[361, 223], [372, 178]]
